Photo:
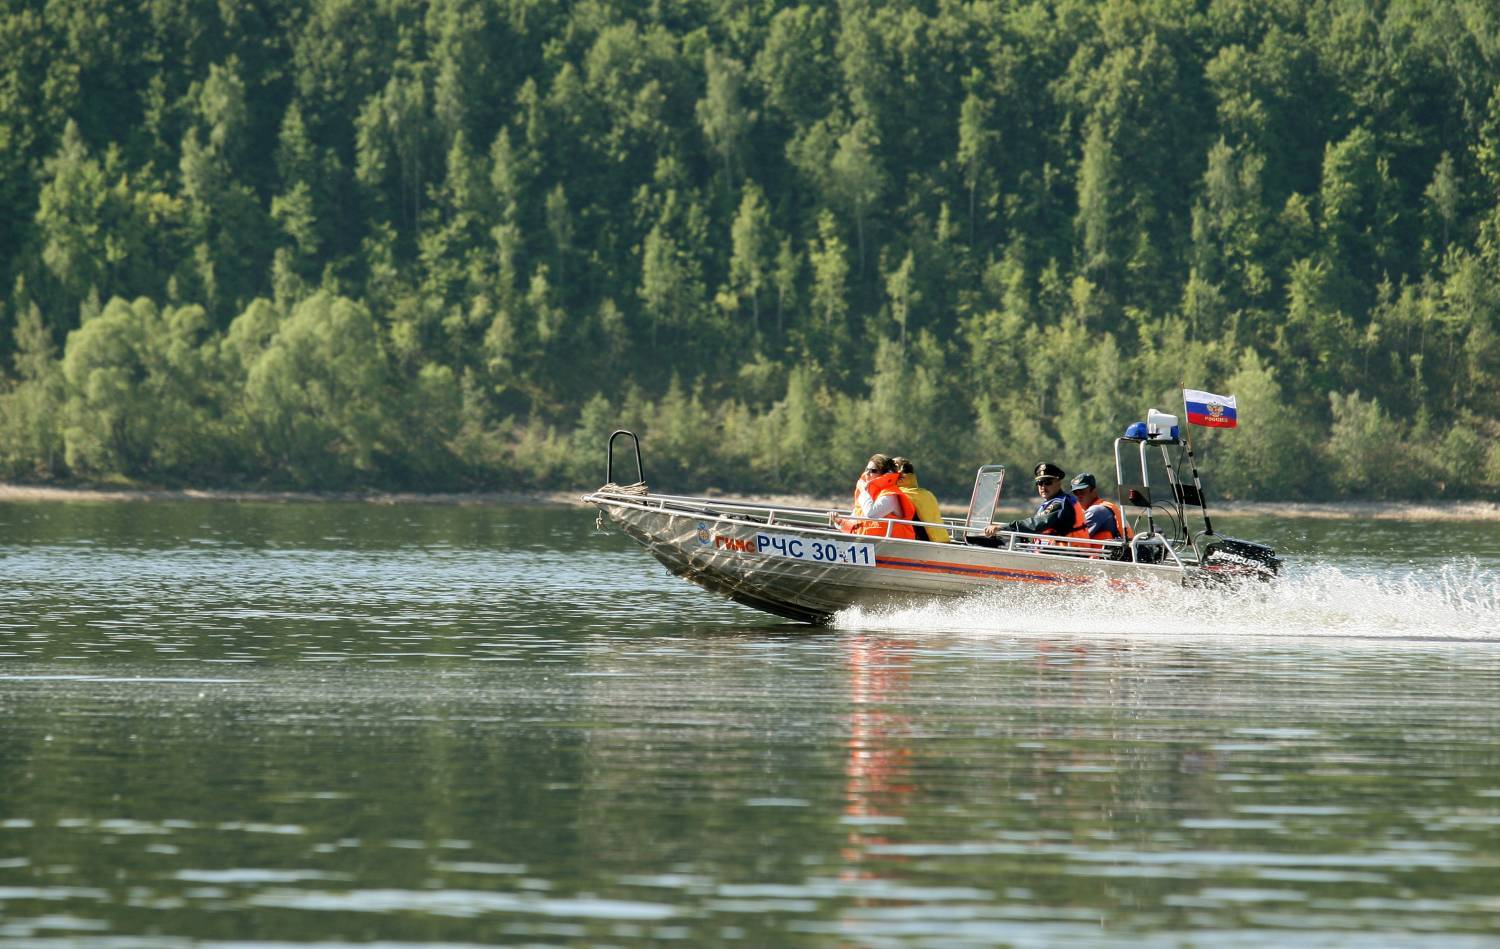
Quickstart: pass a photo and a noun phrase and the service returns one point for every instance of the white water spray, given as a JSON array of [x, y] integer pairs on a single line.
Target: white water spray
[[1455, 600]]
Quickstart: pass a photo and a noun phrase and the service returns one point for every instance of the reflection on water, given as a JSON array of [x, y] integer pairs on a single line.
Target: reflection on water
[[878, 768], [345, 724]]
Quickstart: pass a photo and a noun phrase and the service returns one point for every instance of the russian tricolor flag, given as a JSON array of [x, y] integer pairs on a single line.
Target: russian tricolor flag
[[1205, 408]]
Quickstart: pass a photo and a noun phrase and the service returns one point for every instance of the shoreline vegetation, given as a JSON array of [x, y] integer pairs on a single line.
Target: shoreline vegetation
[[453, 244], [1333, 510]]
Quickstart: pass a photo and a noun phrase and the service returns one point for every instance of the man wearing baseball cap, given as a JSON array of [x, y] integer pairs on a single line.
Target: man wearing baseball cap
[[1102, 519]]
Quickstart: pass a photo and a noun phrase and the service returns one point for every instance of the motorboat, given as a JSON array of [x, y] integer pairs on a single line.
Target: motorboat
[[795, 562]]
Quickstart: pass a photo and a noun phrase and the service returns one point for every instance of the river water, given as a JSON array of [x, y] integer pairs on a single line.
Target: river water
[[406, 725]]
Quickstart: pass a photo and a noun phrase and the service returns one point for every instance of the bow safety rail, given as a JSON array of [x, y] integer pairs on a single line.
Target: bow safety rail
[[821, 519]]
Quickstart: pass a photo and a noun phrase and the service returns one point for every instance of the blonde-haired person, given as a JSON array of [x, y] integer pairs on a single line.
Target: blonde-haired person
[[924, 501]]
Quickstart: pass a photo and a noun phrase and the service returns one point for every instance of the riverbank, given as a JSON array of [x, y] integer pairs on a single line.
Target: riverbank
[[35, 493], [1331, 510]]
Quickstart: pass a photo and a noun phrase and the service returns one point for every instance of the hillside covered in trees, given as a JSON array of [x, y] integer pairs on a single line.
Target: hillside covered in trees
[[451, 244]]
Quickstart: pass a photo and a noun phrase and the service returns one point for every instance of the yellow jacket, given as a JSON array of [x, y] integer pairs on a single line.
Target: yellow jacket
[[927, 508]]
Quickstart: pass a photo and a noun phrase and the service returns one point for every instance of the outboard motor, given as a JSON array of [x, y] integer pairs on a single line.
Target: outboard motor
[[1149, 549], [1233, 559]]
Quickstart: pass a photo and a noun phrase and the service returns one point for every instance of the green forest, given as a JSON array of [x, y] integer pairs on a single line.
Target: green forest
[[450, 245]]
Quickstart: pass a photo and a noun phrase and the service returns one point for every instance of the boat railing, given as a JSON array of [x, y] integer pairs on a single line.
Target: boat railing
[[1080, 547], [1156, 541], [826, 521], [772, 512]]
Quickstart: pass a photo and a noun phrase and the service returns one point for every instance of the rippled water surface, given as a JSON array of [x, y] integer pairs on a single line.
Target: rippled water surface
[[353, 724]]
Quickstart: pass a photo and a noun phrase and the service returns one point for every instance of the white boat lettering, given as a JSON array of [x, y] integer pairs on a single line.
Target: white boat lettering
[[816, 551]]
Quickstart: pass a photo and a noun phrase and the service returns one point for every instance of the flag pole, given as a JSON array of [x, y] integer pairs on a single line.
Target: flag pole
[[1187, 441]]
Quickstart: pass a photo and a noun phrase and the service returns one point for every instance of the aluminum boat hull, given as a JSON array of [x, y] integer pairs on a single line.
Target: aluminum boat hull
[[725, 553]]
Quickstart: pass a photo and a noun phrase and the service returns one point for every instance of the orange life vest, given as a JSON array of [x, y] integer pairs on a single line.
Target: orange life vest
[[859, 486], [872, 491], [1079, 529], [1119, 522]]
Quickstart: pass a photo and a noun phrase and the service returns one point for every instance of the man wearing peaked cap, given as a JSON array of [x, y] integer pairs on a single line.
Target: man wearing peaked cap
[[1057, 513]]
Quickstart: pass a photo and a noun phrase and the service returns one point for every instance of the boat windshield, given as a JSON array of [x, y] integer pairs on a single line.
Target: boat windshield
[[986, 497]]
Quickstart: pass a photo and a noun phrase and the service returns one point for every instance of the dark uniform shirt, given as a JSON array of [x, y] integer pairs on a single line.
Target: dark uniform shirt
[[1054, 515]]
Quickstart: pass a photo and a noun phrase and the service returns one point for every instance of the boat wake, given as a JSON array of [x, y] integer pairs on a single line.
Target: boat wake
[[1456, 600]]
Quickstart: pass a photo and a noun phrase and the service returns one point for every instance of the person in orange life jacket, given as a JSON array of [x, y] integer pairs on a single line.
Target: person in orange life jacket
[[1057, 513], [924, 501], [878, 495], [877, 465], [1102, 519]]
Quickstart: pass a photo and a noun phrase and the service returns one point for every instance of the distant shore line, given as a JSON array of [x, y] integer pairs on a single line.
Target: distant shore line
[[1327, 510]]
